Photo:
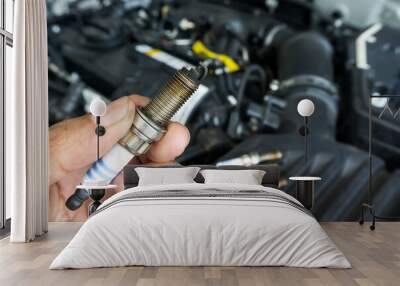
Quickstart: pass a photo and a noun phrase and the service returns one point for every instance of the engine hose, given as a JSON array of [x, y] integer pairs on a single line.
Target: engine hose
[[245, 79]]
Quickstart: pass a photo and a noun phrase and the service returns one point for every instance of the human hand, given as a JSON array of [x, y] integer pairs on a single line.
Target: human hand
[[72, 151]]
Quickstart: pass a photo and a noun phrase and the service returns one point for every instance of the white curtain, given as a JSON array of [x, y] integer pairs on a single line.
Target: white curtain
[[27, 123]]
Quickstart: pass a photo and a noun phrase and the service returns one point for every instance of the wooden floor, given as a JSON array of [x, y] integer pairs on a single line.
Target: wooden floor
[[375, 257]]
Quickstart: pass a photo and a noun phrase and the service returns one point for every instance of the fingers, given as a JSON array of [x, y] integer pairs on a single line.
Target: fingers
[[72, 143], [171, 145], [139, 100], [118, 109]]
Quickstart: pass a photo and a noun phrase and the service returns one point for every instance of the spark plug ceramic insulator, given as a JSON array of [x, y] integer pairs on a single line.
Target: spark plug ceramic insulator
[[148, 125]]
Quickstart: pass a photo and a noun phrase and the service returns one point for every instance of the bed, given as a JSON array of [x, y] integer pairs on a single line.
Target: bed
[[201, 224]]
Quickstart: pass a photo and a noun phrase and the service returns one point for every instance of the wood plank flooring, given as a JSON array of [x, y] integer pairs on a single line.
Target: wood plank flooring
[[375, 257]]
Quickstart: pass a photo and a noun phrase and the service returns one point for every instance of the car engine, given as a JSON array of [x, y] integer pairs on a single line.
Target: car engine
[[263, 57]]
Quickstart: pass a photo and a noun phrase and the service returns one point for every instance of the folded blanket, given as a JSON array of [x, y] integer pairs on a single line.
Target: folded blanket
[[201, 224]]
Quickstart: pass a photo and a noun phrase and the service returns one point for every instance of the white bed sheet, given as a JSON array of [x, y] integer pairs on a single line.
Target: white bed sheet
[[200, 231]]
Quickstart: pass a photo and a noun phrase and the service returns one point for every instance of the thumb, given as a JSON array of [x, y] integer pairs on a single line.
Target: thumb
[[72, 143]]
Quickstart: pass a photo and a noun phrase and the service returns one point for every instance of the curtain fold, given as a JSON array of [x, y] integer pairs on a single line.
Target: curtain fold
[[27, 123]]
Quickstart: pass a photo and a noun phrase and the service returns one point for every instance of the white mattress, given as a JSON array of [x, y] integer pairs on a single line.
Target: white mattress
[[184, 230]]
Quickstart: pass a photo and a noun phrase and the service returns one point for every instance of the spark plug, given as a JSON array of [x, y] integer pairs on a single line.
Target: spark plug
[[253, 158], [149, 124]]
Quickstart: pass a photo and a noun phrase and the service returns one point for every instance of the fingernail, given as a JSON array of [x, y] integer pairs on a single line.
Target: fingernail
[[117, 110]]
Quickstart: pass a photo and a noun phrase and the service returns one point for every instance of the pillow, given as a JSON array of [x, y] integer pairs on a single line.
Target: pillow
[[165, 176], [248, 177]]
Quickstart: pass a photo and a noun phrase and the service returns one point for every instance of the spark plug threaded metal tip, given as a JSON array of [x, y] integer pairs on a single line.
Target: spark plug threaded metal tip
[[150, 122], [174, 94]]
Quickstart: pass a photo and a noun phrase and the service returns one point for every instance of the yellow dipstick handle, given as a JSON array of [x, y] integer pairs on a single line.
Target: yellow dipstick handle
[[201, 50]]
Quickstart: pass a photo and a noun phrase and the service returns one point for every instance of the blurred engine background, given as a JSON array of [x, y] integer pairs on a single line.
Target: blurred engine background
[[263, 57]]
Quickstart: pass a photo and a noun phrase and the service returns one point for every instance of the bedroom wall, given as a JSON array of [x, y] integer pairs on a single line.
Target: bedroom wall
[[285, 50]]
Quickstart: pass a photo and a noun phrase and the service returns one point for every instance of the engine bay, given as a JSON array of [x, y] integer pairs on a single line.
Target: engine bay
[[263, 57]]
